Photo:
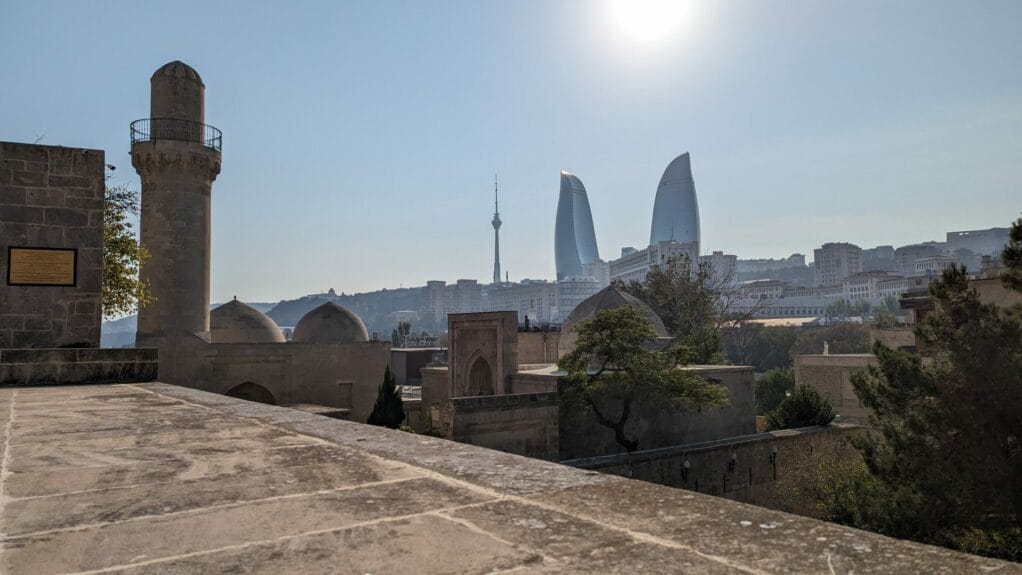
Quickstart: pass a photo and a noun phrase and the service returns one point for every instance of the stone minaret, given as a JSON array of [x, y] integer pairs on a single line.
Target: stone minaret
[[177, 157], [496, 234]]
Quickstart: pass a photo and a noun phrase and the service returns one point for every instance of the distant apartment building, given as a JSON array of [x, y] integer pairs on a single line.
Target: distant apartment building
[[865, 285], [981, 242], [533, 299], [724, 267], [880, 258], [833, 262], [905, 257], [758, 266], [768, 299], [440, 299], [932, 265], [635, 265]]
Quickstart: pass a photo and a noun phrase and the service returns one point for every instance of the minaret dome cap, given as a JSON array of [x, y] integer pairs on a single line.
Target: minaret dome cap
[[177, 69]]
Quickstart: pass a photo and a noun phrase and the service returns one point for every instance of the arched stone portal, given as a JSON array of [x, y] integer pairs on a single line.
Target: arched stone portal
[[480, 378], [252, 392]]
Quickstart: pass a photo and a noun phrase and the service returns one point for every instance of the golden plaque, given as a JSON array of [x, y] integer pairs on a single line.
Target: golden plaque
[[41, 267]]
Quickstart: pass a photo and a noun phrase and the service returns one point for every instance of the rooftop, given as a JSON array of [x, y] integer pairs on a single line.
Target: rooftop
[[151, 477]]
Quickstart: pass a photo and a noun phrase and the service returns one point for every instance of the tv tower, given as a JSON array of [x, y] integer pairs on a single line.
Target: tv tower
[[496, 234]]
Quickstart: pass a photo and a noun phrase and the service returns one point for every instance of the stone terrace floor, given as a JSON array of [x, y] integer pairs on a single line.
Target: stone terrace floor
[[153, 478]]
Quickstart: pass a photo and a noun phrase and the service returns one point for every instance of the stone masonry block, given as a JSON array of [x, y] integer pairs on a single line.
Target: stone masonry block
[[23, 214], [61, 161], [44, 197], [37, 323], [25, 178], [66, 217], [33, 153], [45, 236], [70, 181], [12, 165], [87, 162], [13, 234], [83, 236], [90, 203], [12, 196]]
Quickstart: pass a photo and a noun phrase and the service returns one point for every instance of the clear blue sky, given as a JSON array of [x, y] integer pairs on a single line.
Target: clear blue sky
[[361, 138]]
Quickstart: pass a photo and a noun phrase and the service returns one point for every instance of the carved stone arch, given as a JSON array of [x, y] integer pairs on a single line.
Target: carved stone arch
[[480, 377], [252, 392]]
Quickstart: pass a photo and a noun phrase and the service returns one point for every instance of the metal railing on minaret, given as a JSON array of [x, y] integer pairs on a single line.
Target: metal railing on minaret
[[496, 234]]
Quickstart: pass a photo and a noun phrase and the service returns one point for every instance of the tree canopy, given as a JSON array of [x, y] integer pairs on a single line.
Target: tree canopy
[[773, 388], [803, 408], [694, 302], [615, 368], [948, 458], [123, 292]]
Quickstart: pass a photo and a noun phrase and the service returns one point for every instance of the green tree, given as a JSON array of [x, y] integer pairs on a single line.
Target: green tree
[[838, 309], [614, 369], [123, 291], [694, 303], [948, 456], [1011, 258], [388, 411], [773, 388], [403, 329], [762, 347], [804, 407]]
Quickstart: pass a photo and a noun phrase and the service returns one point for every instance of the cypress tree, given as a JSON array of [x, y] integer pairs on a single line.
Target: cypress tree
[[388, 411]]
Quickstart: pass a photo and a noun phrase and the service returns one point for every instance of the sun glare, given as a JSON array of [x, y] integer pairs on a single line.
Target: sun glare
[[647, 20]]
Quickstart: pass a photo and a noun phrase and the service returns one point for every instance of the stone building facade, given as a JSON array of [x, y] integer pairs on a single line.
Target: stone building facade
[[52, 197]]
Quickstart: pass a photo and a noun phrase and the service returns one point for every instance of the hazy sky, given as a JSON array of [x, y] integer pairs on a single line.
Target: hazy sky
[[361, 138]]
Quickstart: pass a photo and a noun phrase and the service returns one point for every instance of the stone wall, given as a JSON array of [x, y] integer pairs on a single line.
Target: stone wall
[[523, 424], [76, 366], [740, 468], [831, 376], [536, 347], [331, 375], [52, 197], [584, 437]]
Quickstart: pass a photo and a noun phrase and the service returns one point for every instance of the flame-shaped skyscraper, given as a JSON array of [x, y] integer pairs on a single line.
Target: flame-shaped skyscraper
[[675, 210], [574, 235]]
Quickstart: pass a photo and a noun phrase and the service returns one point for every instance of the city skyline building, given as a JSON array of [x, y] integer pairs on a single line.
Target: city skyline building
[[676, 209], [574, 233], [496, 233]]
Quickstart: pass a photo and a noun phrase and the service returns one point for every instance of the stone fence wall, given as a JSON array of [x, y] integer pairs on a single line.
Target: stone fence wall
[[525, 424], [76, 366], [51, 197], [741, 468]]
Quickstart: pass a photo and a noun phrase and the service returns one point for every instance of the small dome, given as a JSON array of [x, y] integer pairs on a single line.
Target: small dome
[[177, 69], [610, 297], [236, 322], [330, 323]]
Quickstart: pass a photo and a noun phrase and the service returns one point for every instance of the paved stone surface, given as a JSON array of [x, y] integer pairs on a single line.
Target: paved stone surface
[[152, 478]]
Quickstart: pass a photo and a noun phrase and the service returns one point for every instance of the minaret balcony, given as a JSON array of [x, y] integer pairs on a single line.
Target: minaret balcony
[[149, 129]]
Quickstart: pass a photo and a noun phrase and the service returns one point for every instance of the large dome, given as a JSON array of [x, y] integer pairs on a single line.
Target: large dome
[[330, 323], [236, 322], [610, 297]]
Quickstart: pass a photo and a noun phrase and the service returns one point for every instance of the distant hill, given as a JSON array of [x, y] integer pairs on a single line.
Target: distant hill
[[121, 332], [374, 307]]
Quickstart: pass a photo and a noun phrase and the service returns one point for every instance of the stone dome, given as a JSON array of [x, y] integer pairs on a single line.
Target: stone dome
[[610, 297], [177, 69], [236, 322], [330, 323]]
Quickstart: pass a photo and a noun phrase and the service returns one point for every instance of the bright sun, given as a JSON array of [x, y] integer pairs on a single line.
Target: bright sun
[[647, 20]]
